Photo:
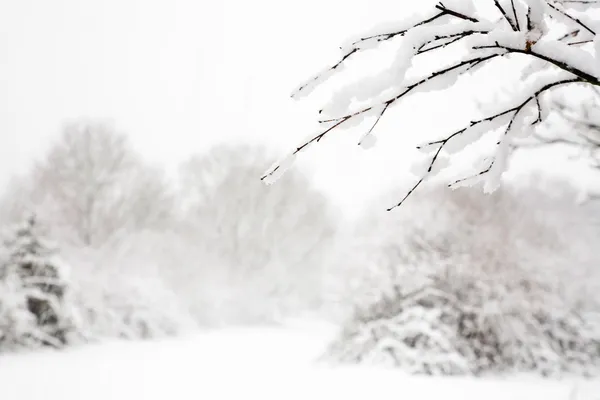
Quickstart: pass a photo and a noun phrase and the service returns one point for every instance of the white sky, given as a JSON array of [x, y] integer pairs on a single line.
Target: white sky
[[180, 75]]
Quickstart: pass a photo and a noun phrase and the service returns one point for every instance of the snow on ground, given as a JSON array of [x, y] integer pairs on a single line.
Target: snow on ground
[[239, 363]]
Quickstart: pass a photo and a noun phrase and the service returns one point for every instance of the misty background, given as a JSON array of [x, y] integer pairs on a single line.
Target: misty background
[[133, 135]]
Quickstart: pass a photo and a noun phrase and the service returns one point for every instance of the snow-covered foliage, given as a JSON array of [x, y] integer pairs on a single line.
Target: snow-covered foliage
[[456, 326], [34, 298], [128, 306], [477, 284], [554, 41]]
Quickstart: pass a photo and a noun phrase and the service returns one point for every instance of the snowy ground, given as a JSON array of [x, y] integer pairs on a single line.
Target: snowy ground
[[266, 363]]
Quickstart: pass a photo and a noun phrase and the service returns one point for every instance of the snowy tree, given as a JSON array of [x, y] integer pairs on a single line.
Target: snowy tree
[[553, 41], [92, 186], [32, 299], [266, 245]]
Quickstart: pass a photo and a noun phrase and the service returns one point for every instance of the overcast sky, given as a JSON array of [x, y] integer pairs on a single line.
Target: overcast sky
[[181, 75]]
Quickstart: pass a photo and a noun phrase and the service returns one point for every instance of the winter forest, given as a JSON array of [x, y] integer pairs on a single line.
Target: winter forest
[[463, 264]]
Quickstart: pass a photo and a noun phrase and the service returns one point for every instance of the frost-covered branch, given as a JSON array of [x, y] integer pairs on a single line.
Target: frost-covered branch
[[559, 54], [471, 131]]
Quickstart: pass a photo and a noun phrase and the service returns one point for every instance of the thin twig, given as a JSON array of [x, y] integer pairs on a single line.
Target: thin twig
[[577, 20], [505, 15], [512, 2]]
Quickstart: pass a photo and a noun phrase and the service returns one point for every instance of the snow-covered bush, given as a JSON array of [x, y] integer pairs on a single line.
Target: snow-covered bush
[[128, 306], [449, 329], [34, 298], [476, 284]]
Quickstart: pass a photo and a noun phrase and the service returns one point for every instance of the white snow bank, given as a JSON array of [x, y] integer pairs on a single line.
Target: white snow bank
[[265, 363]]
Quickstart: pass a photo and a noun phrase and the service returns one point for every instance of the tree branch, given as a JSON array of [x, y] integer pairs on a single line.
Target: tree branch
[[384, 37], [505, 15], [486, 35], [413, 86], [454, 38], [512, 2], [584, 76], [577, 20], [515, 110], [456, 14]]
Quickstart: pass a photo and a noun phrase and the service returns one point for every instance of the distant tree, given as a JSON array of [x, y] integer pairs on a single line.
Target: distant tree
[[555, 41], [93, 186], [32, 309], [269, 242]]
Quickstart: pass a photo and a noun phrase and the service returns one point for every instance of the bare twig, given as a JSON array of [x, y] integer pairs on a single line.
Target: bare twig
[[539, 111], [569, 35], [512, 2], [580, 42], [315, 139], [456, 14], [421, 179]]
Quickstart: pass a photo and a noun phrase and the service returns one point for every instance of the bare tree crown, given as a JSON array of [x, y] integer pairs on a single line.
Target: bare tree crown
[[557, 40]]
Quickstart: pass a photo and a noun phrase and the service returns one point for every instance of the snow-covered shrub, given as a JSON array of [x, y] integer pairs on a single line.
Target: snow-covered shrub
[[34, 298], [127, 306], [475, 284], [448, 329], [119, 293]]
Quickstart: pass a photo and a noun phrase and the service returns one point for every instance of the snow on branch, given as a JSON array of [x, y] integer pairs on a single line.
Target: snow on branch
[[561, 53], [474, 129]]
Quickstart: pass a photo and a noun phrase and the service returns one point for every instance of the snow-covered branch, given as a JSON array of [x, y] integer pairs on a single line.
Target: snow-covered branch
[[473, 130], [559, 53]]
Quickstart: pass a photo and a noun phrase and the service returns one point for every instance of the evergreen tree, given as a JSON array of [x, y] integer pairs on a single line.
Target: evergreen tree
[[32, 308]]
